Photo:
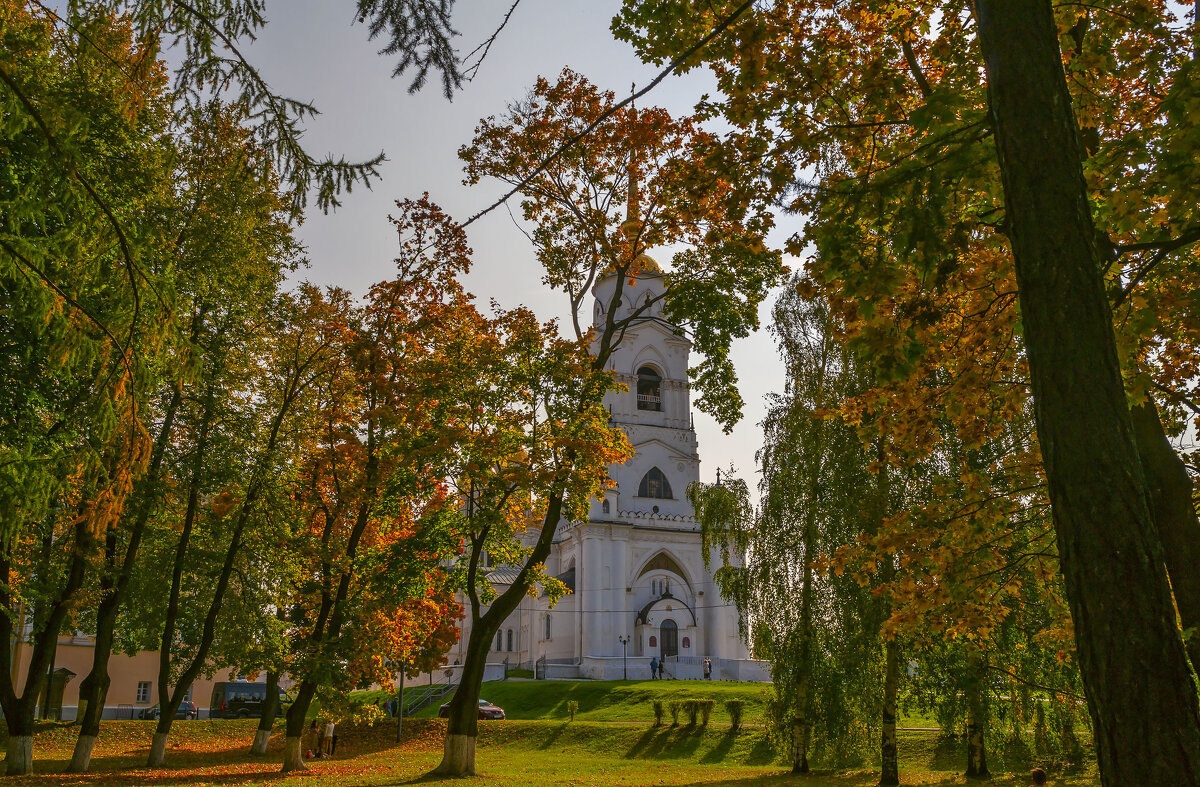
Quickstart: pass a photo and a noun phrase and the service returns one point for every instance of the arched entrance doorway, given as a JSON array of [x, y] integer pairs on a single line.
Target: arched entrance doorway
[[670, 638]]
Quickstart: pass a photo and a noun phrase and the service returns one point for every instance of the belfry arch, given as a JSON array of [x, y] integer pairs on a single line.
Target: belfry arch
[[663, 560]]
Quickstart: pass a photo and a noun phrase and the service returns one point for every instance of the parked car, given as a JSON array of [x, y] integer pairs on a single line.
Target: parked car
[[187, 710], [486, 710], [239, 699]]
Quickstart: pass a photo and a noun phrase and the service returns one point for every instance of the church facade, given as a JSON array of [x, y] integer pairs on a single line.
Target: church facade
[[639, 588]]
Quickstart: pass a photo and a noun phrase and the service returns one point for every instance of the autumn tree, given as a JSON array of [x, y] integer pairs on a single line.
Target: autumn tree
[[641, 179], [88, 299], [374, 483], [1035, 151], [232, 243], [236, 433]]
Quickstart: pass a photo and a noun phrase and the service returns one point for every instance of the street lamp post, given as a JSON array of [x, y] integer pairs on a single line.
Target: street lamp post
[[400, 703], [624, 640]]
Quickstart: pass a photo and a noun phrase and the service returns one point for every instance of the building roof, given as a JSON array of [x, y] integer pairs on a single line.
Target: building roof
[[503, 575]]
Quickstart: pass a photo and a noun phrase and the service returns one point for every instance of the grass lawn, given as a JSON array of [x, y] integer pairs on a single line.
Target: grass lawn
[[511, 754]]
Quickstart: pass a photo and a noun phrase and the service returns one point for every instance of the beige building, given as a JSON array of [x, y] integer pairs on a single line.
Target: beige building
[[134, 686]]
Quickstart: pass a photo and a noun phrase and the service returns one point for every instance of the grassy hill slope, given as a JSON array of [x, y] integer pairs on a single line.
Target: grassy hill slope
[[609, 700]]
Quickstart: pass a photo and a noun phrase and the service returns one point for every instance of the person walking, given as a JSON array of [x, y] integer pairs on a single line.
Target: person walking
[[653, 668], [707, 668], [333, 738], [662, 663]]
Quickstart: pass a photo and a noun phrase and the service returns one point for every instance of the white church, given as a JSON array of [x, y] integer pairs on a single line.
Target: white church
[[638, 584]]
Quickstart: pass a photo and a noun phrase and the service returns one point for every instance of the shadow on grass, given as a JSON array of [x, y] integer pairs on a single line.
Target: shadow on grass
[[651, 744], [553, 737], [949, 753], [722, 749]]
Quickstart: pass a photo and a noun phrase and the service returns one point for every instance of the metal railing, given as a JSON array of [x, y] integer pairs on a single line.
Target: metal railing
[[422, 696], [649, 402]]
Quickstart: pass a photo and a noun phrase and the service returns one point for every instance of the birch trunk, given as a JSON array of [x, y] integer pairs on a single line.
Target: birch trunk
[[890, 772], [977, 767]]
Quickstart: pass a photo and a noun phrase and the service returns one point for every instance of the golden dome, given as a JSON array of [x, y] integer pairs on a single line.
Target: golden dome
[[644, 266]]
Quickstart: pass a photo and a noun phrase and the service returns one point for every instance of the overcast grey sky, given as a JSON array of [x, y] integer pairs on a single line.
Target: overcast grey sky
[[311, 50]]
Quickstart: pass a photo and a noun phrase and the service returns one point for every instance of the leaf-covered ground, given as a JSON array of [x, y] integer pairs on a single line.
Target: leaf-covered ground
[[512, 753]]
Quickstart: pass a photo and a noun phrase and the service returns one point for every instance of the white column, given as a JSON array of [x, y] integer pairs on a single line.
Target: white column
[[591, 598], [622, 618]]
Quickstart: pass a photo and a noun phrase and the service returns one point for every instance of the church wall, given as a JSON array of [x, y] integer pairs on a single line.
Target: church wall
[[612, 596]]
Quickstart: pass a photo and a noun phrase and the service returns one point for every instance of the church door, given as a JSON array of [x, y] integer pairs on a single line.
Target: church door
[[670, 638]]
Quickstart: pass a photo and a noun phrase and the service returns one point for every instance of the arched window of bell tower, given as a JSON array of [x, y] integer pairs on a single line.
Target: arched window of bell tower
[[654, 484], [649, 389]]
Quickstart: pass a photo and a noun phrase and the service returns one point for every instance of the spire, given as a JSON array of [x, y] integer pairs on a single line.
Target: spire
[[640, 264], [633, 212]]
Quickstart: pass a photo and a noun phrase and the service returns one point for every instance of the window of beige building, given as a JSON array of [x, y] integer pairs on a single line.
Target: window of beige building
[[143, 691]]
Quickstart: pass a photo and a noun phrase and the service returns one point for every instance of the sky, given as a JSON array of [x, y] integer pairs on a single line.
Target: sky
[[311, 50]]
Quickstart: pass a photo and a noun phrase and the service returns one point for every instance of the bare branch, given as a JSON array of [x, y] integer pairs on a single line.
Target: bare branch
[[565, 146]]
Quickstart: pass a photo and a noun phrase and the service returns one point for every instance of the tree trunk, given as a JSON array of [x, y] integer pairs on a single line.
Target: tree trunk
[[19, 711], [261, 739], [293, 753], [81, 757], [890, 772], [169, 698], [19, 760], [400, 705], [158, 744], [266, 722], [93, 693], [800, 727], [1139, 687], [458, 755], [93, 690], [801, 723], [1174, 517], [976, 716], [458, 750]]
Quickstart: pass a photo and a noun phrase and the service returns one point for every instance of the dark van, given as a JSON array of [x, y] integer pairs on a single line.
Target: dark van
[[240, 700]]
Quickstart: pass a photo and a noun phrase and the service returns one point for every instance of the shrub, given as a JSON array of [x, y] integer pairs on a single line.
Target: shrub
[[674, 707], [706, 707], [366, 715], [658, 713], [692, 707], [735, 708], [572, 706]]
